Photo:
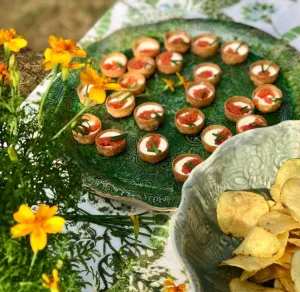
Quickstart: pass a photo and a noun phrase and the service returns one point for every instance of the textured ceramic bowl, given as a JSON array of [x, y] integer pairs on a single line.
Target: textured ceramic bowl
[[246, 161]]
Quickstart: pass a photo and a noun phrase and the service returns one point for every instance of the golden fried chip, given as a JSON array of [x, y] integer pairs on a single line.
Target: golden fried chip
[[296, 232], [246, 275], [271, 204], [236, 285], [290, 197], [269, 273], [295, 241], [238, 212], [252, 264], [277, 223], [278, 285], [280, 208], [288, 283], [286, 258], [289, 169], [259, 243], [295, 270]]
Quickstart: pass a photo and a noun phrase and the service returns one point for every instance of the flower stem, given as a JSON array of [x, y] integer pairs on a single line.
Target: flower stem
[[45, 95], [63, 96], [72, 120], [32, 262]]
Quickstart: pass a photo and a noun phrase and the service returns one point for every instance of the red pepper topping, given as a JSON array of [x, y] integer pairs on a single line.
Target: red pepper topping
[[165, 58], [264, 73], [222, 136], [147, 51], [256, 124], [265, 93], [230, 51], [206, 74], [147, 115], [203, 44], [178, 40], [117, 104], [189, 165], [105, 141], [201, 93], [155, 139], [188, 118], [237, 109], [94, 127], [130, 82], [137, 64], [113, 66]]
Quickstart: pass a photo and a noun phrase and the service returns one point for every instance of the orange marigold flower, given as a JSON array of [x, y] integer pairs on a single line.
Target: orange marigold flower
[[169, 286], [51, 282], [182, 80], [37, 225], [169, 84], [4, 74], [10, 39]]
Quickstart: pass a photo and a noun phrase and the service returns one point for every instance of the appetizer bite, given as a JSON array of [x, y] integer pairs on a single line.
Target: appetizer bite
[[177, 41], [213, 136], [189, 121], [133, 82], [263, 72], [120, 104], [205, 45], [267, 98], [111, 142], [235, 52], [113, 65], [169, 62], [250, 122], [183, 165], [238, 106], [86, 131], [208, 72], [83, 94], [153, 148], [149, 116], [146, 47], [200, 93], [142, 65]]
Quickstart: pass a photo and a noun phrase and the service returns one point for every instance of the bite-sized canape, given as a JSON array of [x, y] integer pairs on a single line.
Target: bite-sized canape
[[133, 82], [250, 122], [200, 93], [205, 45], [142, 65], [263, 72], [169, 62], [208, 72], [267, 98], [120, 104], [238, 106], [83, 94], [213, 136], [113, 65], [111, 142], [235, 52], [189, 121], [183, 165], [146, 47], [86, 131], [149, 116], [153, 148], [177, 41]]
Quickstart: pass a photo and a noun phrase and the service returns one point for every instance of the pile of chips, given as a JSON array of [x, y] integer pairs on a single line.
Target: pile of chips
[[271, 231]]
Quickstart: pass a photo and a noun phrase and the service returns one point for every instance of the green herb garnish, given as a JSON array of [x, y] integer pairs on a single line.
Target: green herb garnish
[[190, 164], [117, 95], [131, 86], [245, 109], [268, 67], [154, 148], [276, 99], [239, 46], [125, 97], [211, 44], [190, 124], [118, 137], [81, 128], [219, 137], [256, 125], [157, 116], [176, 61], [120, 65], [182, 42]]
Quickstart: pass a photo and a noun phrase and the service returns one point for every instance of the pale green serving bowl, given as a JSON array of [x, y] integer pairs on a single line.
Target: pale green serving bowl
[[246, 161]]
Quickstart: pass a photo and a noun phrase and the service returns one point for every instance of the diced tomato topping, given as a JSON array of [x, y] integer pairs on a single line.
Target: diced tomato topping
[[165, 58], [203, 44], [201, 93], [155, 139], [147, 115], [206, 74], [256, 124], [94, 127], [112, 66], [265, 93], [129, 82], [137, 64], [105, 141], [186, 168], [178, 40], [264, 73], [190, 117], [230, 51], [236, 109], [225, 134], [147, 51], [117, 104]]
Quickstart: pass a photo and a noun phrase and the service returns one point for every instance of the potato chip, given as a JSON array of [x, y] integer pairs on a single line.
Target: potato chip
[[253, 245], [296, 232], [271, 203], [284, 265], [289, 169], [252, 264], [295, 241], [280, 208], [288, 283], [278, 285], [236, 285], [239, 211], [290, 197], [277, 222], [246, 275], [269, 273], [286, 258], [295, 270]]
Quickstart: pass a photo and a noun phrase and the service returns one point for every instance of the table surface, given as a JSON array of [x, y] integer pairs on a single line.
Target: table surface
[[279, 18]]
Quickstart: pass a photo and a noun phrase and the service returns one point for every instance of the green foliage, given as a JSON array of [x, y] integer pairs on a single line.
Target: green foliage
[[292, 34], [259, 12]]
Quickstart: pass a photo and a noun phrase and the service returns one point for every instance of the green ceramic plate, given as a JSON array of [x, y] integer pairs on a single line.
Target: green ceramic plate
[[126, 175]]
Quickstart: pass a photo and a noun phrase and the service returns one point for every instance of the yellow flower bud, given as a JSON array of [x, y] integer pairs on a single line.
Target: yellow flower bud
[[65, 74], [12, 153], [12, 61], [59, 264]]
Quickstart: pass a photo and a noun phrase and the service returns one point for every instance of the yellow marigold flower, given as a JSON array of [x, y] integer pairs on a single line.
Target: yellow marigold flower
[[9, 39], [4, 73], [51, 282], [136, 224], [182, 80], [169, 84], [100, 84], [169, 286], [37, 225]]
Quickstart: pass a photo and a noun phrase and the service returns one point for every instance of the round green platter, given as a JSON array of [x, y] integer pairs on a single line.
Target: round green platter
[[126, 176]]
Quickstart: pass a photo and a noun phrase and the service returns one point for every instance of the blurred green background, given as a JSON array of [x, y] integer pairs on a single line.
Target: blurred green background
[[35, 20]]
